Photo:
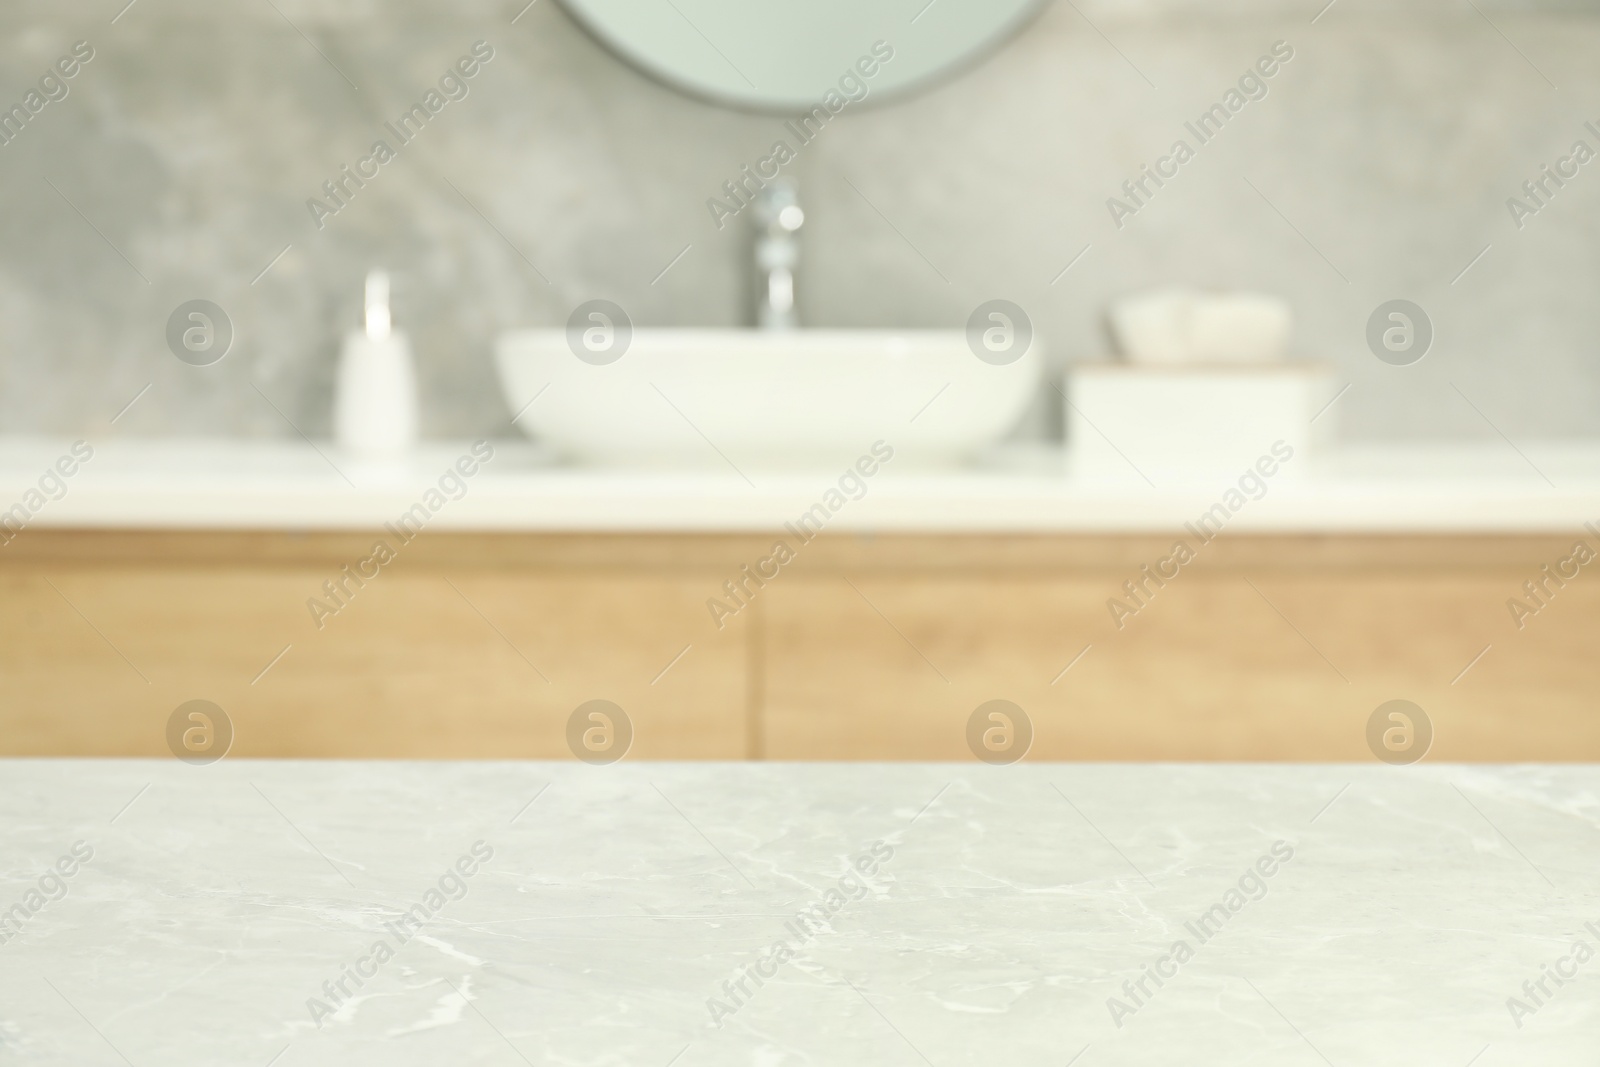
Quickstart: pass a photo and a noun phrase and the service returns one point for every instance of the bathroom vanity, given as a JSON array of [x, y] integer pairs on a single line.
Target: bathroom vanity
[[246, 575]]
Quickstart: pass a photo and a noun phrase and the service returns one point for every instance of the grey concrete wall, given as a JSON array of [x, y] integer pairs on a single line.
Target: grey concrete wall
[[1378, 166]]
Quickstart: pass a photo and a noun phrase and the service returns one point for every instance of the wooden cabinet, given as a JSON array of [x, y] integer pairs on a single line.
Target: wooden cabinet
[[451, 651], [481, 646], [1217, 669]]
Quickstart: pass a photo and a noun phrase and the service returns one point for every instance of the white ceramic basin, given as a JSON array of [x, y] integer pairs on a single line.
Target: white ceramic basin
[[709, 397]]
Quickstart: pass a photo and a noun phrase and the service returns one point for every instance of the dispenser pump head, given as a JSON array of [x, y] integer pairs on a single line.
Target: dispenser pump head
[[377, 318]]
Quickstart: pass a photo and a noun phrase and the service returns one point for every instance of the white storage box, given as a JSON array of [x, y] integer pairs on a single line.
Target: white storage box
[[1194, 424]]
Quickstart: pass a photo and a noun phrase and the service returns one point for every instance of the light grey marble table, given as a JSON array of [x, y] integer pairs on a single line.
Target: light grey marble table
[[254, 913]]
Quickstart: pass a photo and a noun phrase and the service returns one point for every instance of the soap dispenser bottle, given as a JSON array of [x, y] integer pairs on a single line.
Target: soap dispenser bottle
[[375, 401]]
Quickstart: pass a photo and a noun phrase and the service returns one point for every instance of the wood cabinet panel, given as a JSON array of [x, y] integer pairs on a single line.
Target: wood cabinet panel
[[421, 663], [481, 646], [1219, 665]]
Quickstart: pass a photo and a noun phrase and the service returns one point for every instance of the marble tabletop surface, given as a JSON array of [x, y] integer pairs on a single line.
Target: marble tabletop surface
[[296, 913]]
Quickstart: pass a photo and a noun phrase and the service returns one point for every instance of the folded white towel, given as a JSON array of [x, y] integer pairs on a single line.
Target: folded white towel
[[1187, 326]]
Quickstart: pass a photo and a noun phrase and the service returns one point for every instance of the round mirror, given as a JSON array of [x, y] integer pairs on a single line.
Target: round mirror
[[790, 55]]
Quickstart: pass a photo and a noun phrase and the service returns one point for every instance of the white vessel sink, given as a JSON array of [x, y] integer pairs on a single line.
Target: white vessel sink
[[797, 398]]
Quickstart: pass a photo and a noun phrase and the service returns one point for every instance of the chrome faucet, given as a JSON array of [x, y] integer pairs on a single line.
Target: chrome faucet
[[778, 219]]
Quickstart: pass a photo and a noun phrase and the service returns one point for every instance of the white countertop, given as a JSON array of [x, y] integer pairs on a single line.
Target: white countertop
[[1387, 916], [277, 485]]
